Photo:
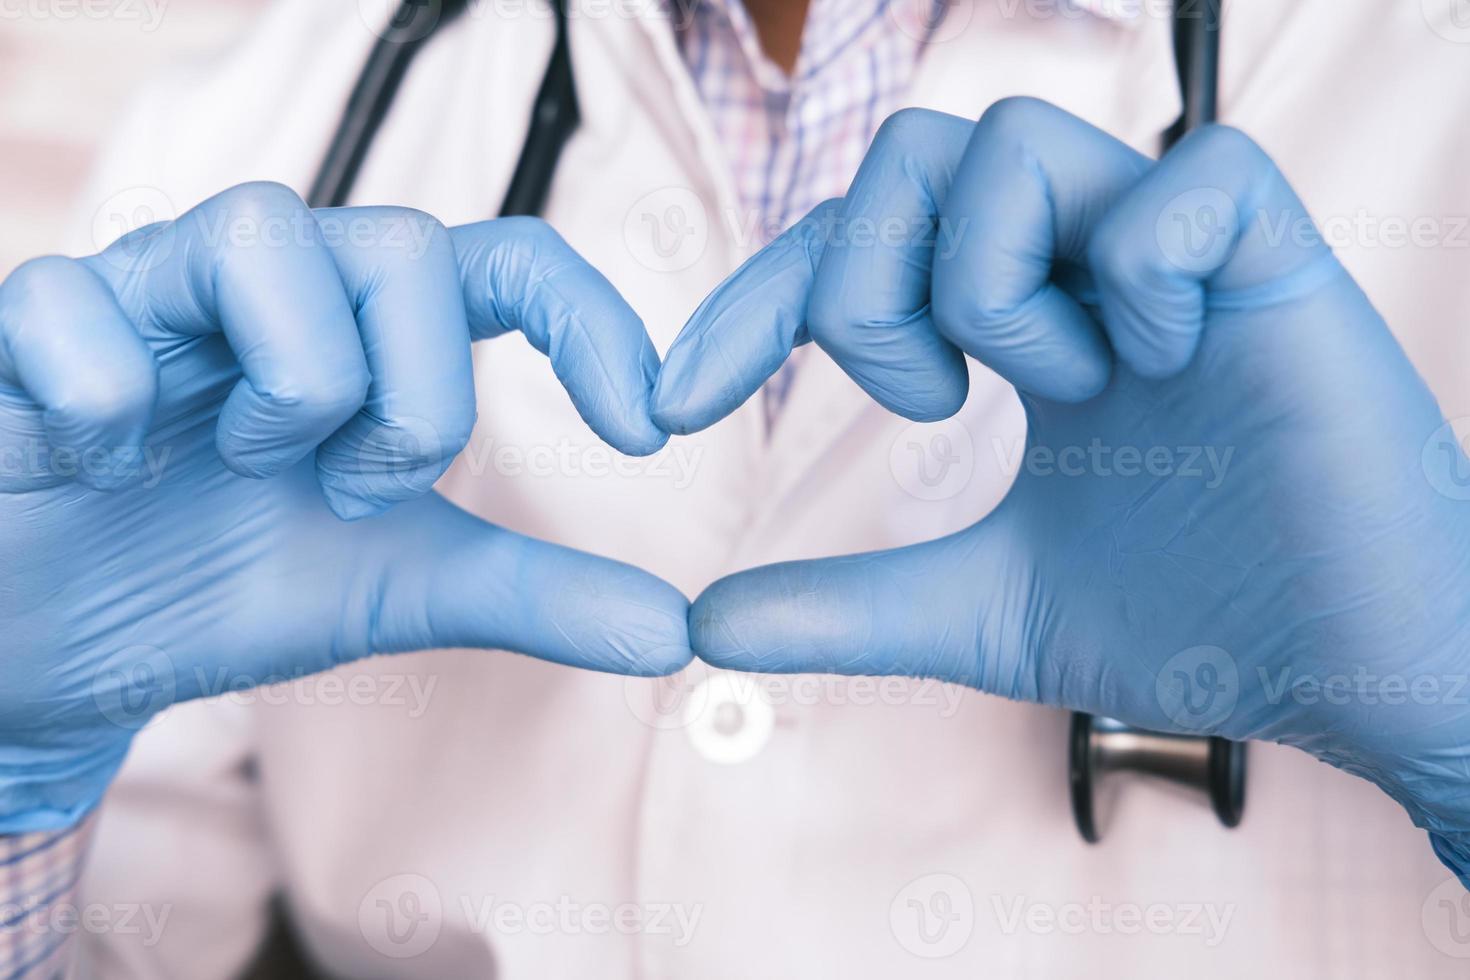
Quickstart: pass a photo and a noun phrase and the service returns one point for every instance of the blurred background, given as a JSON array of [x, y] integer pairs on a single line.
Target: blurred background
[[68, 69]]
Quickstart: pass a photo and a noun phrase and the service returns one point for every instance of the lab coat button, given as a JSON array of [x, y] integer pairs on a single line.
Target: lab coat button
[[729, 718]]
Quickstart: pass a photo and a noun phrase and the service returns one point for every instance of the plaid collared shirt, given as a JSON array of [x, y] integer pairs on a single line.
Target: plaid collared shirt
[[794, 141], [38, 910]]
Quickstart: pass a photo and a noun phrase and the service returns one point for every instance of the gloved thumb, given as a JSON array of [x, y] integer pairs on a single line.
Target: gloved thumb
[[429, 575], [489, 587], [920, 611]]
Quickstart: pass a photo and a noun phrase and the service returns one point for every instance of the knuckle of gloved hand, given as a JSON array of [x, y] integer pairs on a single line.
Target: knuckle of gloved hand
[[831, 318], [529, 231], [1014, 120], [813, 233], [38, 296], [909, 127], [431, 443], [399, 238], [964, 310], [256, 204], [1137, 281], [335, 392], [495, 254], [39, 288], [1115, 257], [1227, 149], [410, 450], [120, 400]]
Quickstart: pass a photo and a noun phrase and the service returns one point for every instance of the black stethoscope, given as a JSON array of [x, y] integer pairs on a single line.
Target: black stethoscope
[[1100, 749], [554, 115]]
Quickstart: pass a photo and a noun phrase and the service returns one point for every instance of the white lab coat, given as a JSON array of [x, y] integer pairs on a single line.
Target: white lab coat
[[509, 818]]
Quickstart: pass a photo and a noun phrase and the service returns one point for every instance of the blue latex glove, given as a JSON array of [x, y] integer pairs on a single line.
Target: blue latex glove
[[172, 411], [1315, 595]]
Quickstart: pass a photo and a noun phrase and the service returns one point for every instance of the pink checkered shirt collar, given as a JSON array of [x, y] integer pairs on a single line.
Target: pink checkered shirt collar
[[791, 143]]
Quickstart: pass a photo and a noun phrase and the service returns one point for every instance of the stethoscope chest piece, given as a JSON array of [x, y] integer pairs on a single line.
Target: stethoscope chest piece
[[1103, 752]]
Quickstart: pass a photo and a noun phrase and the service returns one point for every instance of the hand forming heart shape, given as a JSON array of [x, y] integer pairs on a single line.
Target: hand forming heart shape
[[1137, 307], [1300, 596], [145, 392]]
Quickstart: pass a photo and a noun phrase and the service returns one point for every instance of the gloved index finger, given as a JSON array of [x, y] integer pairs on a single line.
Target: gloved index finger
[[77, 383], [853, 276], [518, 274], [743, 331], [1199, 231], [399, 268], [869, 307], [1030, 189]]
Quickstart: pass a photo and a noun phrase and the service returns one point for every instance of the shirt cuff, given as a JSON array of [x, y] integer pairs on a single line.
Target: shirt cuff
[[38, 910]]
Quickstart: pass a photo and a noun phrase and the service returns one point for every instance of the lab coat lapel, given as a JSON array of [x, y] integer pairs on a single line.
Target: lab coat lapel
[[821, 404], [995, 49]]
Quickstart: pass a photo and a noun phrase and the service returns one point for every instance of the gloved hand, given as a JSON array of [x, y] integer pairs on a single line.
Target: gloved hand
[[181, 416], [1313, 590]]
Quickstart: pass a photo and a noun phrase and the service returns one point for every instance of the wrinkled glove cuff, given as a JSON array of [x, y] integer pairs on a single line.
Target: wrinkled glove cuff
[[53, 797]]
